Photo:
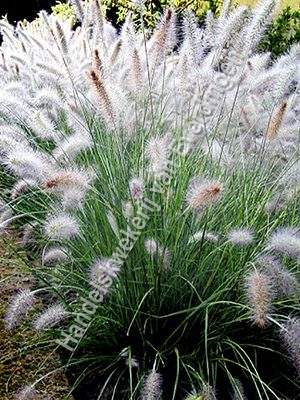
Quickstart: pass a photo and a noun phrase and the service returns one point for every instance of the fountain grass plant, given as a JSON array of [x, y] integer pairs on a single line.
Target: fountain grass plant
[[156, 180]]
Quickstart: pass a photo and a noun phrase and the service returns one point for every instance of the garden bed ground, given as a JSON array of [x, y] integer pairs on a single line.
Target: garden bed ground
[[19, 364]]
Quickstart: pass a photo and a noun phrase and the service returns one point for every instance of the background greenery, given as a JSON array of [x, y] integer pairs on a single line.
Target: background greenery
[[284, 31]]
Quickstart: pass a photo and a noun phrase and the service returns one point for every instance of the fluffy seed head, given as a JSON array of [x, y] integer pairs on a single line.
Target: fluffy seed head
[[77, 4], [163, 38], [241, 236], [152, 246], [61, 226], [202, 193], [18, 308], [290, 334], [208, 393], [102, 97], [102, 274], [55, 255], [67, 179], [259, 294], [72, 146], [276, 121], [238, 391], [285, 241], [128, 209], [285, 283], [27, 393], [156, 250], [152, 389], [28, 164], [21, 187], [50, 317], [203, 235], [72, 199], [136, 186], [157, 150]]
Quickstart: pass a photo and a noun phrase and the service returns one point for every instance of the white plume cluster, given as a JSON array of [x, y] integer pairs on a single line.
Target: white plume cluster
[[206, 87]]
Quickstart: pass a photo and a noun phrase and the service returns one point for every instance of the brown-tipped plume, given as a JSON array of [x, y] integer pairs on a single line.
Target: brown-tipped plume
[[162, 36], [97, 63], [258, 289], [102, 96], [276, 121], [137, 69], [60, 180], [17, 70], [203, 192]]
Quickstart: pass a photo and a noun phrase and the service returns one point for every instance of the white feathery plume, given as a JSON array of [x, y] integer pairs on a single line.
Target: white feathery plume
[[18, 308], [128, 210], [152, 389], [8, 142], [208, 393], [204, 235], [21, 187], [72, 198], [238, 391], [77, 4], [28, 164], [102, 273], [66, 179], [113, 223], [103, 98], [157, 150], [225, 9], [27, 393], [285, 284], [285, 241], [241, 236], [48, 97], [51, 317], [156, 250], [71, 146], [261, 19], [194, 44], [61, 226], [203, 192], [290, 334], [260, 295], [136, 186], [55, 255], [226, 35]]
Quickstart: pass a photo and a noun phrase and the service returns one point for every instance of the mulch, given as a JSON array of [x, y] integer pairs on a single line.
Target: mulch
[[25, 357]]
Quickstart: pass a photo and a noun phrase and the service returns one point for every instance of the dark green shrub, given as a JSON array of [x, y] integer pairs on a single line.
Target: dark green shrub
[[116, 10], [284, 32]]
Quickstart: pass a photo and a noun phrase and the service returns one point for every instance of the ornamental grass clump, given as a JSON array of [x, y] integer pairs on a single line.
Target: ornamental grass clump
[[141, 171]]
